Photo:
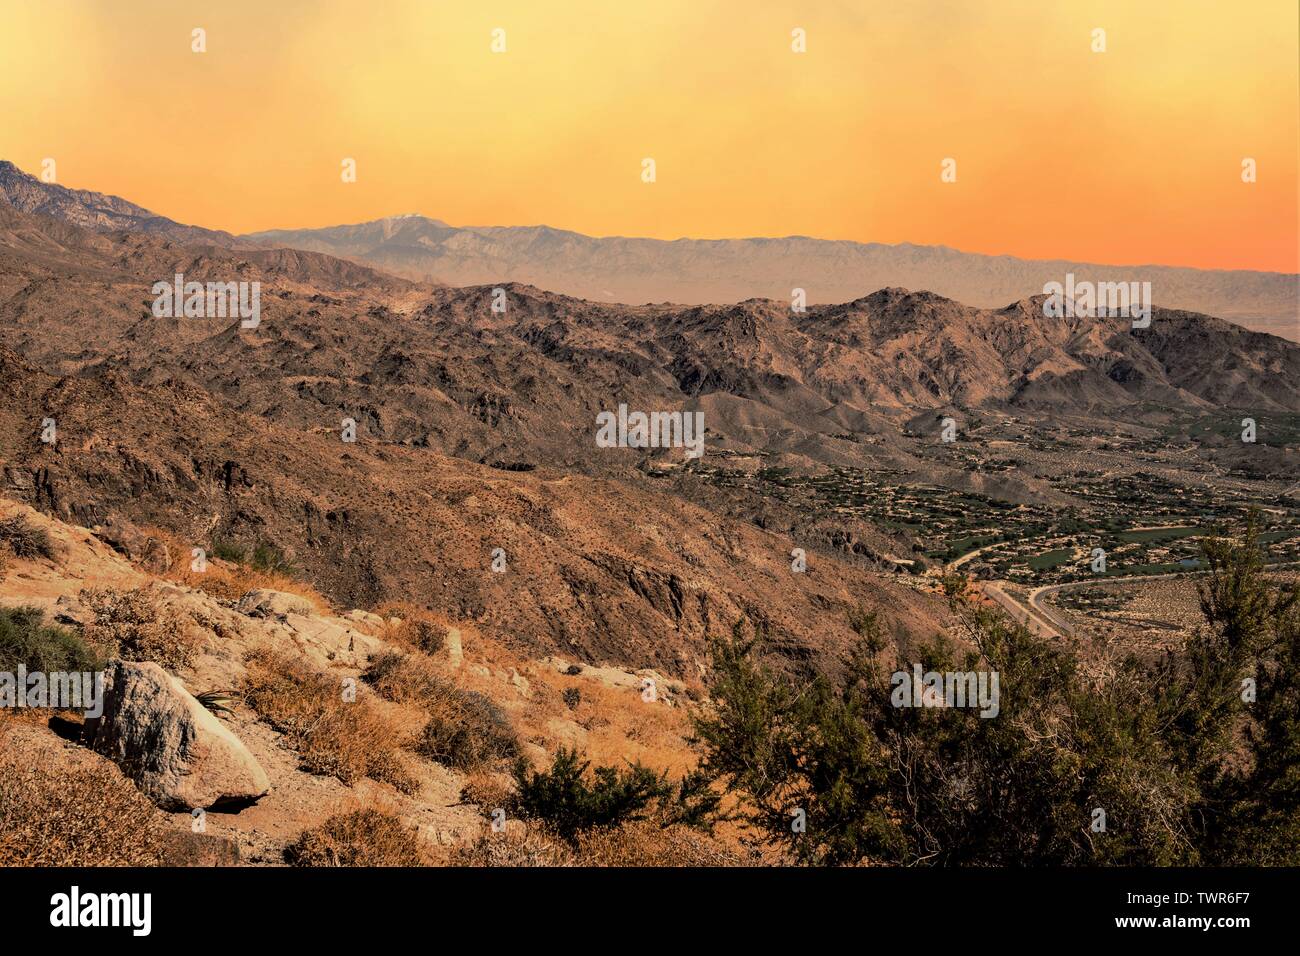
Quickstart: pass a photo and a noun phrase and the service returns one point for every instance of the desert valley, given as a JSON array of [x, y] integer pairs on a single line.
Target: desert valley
[[394, 485]]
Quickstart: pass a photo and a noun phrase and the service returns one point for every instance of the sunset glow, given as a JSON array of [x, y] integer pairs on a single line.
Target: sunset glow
[[1129, 156]]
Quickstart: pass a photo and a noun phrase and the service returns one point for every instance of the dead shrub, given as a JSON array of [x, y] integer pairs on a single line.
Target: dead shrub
[[413, 628], [367, 837], [25, 539], [80, 813], [334, 737], [132, 625], [405, 678], [466, 730], [487, 790]]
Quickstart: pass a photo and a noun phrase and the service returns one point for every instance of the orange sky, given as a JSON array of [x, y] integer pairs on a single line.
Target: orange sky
[[1129, 156]]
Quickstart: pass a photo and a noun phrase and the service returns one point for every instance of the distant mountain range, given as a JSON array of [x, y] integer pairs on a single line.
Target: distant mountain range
[[688, 271], [697, 271]]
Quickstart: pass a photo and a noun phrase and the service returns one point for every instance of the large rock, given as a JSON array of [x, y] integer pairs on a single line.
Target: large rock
[[263, 602], [177, 752]]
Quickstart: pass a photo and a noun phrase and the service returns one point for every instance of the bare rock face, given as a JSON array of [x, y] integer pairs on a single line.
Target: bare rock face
[[263, 602], [177, 752], [125, 538]]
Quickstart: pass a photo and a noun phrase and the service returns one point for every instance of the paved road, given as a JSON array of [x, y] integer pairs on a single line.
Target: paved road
[[1038, 625], [1058, 621], [971, 555]]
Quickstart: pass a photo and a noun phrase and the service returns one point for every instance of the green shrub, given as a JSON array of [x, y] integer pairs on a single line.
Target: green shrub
[[268, 557], [228, 551], [26, 639], [1186, 769], [264, 556], [571, 801]]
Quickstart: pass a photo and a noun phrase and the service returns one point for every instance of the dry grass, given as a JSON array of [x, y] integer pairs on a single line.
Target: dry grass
[[6, 556], [56, 812], [645, 843], [465, 730], [619, 725], [229, 580], [641, 843], [416, 628], [347, 740], [513, 848], [134, 626], [366, 837]]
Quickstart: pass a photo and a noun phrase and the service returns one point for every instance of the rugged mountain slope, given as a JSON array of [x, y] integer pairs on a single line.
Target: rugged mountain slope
[[600, 569], [727, 270], [92, 210], [621, 269], [439, 368]]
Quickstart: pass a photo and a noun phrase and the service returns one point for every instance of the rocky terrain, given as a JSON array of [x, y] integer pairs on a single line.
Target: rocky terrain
[[393, 488], [475, 416], [259, 790]]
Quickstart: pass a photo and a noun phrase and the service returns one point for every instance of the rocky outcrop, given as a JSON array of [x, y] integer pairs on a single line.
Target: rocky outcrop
[[177, 752]]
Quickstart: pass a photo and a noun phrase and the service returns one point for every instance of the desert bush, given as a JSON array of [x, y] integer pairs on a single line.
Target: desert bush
[[487, 790], [241, 569], [570, 800], [368, 837], [466, 730], [226, 550], [26, 639], [414, 628], [269, 558], [133, 625], [25, 539], [262, 556], [572, 697], [405, 678], [427, 636], [81, 813], [347, 740], [1186, 771]]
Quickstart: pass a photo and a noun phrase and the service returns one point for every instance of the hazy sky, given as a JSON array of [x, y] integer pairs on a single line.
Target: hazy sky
[[1128, 156]]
